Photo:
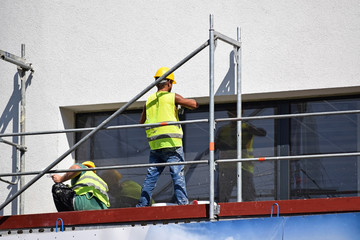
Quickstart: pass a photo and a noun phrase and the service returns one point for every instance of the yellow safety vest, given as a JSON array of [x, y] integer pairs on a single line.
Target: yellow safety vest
[[227, 139], [130, 189], [160, 107], [89, 182]]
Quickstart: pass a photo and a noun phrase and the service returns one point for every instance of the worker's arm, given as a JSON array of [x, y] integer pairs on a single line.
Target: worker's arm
[[143, 115], [69, 175], [186, 102]]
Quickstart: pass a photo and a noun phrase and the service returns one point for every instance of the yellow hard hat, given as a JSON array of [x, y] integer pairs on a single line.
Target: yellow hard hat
[[163, 70], [89, 164]]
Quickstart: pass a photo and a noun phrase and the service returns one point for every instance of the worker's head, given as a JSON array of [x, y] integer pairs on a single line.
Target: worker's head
[[169, 80], [89, 164], [232, 113]]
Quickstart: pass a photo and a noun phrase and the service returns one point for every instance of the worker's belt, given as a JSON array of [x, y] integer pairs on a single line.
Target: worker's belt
[[167, 135]]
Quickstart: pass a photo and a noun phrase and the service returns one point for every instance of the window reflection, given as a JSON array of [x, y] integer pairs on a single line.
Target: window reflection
[[331, 177], [307, 178], [257, 141]]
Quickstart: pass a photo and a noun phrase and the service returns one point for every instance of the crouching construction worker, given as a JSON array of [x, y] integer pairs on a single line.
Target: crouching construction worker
[[87, 192]]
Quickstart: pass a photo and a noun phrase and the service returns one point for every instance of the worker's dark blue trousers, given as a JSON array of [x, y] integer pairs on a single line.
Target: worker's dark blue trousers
[[165, 155]]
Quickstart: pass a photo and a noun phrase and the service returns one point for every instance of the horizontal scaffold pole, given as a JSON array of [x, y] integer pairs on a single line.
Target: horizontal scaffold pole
[[19, 61], [295, 157], [107, 168], [185, 122], [294, 115], [105, 128], [227, 39], [17, 146]]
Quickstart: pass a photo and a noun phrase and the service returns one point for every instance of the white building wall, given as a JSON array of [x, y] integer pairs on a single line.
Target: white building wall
[[105, 52]]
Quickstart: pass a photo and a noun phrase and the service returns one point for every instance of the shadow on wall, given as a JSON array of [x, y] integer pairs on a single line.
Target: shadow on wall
[[11, 113], [68, 120], [227, 86]]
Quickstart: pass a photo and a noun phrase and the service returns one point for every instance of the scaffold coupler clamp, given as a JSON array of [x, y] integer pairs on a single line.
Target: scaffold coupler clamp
[[19, 147], [216, 209]]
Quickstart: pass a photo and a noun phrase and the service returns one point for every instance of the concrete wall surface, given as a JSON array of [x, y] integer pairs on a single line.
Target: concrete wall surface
[[93, 52]]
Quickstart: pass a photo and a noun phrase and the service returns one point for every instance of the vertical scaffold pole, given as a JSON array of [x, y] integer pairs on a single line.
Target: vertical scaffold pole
[[22, 75], [358, 149], [211, 117], [239, 114]]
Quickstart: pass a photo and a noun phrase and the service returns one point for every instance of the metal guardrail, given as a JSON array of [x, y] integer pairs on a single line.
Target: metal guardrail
[[74, 130], [203, 161], [106, 168], [295, 157], [294, 115]]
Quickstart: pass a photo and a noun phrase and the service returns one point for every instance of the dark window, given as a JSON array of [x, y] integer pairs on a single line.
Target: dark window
[[265, 180], [325, 177]]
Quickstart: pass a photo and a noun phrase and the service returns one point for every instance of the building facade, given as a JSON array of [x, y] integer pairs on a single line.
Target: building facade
[[90, 58]]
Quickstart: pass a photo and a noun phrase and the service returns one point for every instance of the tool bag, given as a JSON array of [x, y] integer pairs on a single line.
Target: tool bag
[[63, 197]]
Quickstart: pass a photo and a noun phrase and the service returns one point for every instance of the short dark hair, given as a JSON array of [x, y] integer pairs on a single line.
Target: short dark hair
[[162, 83]]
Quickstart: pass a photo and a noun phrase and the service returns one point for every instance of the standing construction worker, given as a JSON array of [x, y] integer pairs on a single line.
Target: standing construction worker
[[165, 141], [87, 192]]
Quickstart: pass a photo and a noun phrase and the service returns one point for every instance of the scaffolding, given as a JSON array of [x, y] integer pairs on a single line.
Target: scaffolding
[[213, 207], [22, 67]]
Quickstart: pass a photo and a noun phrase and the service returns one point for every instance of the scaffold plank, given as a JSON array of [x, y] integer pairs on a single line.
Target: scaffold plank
[[149, 215]]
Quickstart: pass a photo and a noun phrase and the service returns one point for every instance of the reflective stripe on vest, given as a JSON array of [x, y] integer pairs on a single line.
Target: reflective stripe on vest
[[148, 128], [162, 136], [90, 182], [160, 107]]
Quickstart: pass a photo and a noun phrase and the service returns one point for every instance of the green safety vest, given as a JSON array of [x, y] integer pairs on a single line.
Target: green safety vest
[[160, 107], [91, 183]]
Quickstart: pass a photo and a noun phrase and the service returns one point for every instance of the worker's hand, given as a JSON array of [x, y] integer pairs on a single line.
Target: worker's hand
[[56, 178]]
